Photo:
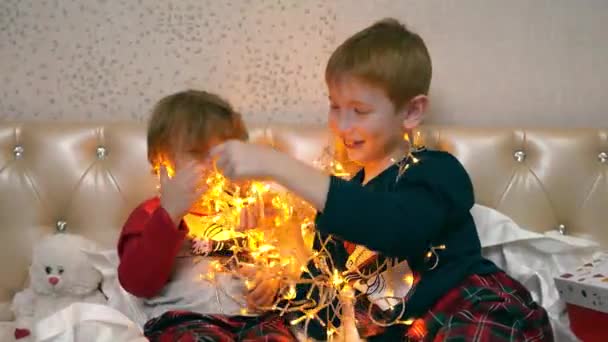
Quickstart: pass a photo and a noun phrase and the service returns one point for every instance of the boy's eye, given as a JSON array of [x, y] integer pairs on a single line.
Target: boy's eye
[[362, 111], [60, 270], [334, 107], [48, 270], [197, 154]]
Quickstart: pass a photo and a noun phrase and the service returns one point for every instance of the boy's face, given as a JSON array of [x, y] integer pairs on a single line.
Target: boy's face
[[365, 119], [182, 154]]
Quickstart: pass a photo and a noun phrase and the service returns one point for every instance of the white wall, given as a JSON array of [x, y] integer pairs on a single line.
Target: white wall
[[509, 63]]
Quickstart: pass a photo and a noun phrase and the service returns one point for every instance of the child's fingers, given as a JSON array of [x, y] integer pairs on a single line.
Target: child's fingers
[[217, 156], [224, 165], [267, 209], [249, 217], [270, 211], [221, 155], [252, 221], [201, 183], [193, 175], [164, 175], [259, 209], [263, 294], [243, 224], [194, 169], [248, 271], [218, 150], [200, 191]]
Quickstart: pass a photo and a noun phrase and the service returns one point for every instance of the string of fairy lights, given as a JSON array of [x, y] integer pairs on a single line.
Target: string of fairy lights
[[330, 290]]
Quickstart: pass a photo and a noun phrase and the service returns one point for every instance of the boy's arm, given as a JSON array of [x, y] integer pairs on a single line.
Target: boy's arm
[[147, 248], [400, 223]]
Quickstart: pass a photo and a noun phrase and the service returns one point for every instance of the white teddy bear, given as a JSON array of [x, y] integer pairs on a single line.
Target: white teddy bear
[[60, 274]]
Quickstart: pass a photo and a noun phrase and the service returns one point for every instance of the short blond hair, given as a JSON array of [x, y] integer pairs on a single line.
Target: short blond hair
[[386, 55], [191, 118]]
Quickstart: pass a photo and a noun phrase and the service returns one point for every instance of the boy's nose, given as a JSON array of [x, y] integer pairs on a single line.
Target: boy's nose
[[345, 124], [53, 280]]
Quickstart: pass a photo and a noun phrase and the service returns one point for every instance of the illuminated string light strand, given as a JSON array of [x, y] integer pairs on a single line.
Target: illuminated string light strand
[[219, 214]]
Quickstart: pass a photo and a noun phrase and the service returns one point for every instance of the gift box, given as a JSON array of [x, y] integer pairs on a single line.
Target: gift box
[[585, 291]]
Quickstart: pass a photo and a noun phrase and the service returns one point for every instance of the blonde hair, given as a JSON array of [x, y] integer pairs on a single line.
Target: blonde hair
[[386, 55], [191, 118]]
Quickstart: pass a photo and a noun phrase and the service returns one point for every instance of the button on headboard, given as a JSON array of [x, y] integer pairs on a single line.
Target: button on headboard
[[545, 179]]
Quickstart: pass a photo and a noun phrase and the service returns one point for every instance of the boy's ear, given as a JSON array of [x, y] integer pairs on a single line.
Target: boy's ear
[[413, 112]]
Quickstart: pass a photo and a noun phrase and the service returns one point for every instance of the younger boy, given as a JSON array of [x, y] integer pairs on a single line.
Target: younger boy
[[157, 260]]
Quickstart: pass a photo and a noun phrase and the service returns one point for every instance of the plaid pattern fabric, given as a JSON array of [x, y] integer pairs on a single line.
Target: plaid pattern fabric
[[484, 308], [183, 326], [492, 307]]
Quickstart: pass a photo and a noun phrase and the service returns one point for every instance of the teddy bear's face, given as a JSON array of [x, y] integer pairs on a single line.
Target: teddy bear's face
[[60, 267]]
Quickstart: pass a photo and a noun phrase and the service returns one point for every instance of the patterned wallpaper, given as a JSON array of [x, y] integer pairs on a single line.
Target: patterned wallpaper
[[500, 63]]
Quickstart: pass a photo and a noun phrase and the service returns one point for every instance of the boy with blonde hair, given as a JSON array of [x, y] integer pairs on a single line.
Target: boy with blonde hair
[[406, 203]]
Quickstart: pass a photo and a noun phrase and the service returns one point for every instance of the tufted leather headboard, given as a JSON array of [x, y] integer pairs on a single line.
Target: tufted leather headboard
[[86, 178]]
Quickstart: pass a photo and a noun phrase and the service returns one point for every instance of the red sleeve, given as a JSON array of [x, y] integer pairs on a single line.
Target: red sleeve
[[147, 248]]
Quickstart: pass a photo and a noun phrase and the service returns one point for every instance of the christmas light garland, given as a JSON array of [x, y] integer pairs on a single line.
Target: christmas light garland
[[214, 227]]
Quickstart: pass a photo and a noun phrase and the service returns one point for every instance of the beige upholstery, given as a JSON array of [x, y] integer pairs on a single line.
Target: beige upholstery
[[90, 176]]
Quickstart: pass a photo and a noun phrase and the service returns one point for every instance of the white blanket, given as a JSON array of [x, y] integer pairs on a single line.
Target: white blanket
[[532, 258], [88, 322]]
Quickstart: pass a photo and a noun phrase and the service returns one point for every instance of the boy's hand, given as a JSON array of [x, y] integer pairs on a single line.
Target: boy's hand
[[250, 217], [241, 160], [178, 194], [255, 214], [265, 288], [264, 293]]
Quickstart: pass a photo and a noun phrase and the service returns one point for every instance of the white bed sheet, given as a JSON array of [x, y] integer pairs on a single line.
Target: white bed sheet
[[532, 258]]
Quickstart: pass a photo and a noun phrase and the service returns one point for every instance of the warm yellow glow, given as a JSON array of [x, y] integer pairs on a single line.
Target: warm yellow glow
[[347, 293], [301, 318], [216, 217], [215, 265], [338, 170], [418, 329], [168, 167], [291, 293], [336, 279], [418, 140], [265, 248]]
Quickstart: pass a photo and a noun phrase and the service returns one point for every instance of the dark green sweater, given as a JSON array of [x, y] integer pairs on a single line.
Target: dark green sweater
[[429, 205]]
